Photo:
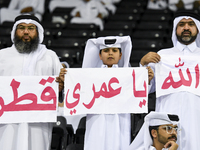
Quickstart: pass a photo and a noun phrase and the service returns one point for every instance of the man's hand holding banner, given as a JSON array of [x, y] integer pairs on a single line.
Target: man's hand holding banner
[[177, 73]]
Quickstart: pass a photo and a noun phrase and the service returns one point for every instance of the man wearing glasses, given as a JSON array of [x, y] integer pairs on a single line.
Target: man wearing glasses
[[27, 57], [159, 132]]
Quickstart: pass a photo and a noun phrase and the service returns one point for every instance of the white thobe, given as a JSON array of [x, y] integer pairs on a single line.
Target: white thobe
[[153, 148], [26, 136], [15, 6], [107, 131], [109, 5], [160, 4], [188, 4], [89, 12], [185, 104]]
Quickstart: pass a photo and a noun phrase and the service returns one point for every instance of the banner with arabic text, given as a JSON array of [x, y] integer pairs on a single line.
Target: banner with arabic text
[[28, 99], [177, 73], [106, 90]]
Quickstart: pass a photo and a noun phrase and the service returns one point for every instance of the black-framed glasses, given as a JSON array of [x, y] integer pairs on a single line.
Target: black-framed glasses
[[29, 28], [170, 129]]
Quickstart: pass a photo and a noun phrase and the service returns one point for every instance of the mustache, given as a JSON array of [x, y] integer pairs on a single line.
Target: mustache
[[186, 31], [26, 35], [173, 137]]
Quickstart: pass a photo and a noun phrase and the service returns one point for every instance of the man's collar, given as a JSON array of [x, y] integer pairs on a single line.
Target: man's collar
[[153, 148], [191, 46]]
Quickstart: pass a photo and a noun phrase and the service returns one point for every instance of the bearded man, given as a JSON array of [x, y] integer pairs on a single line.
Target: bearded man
[[182, 99], [27, 57], [159, 132]]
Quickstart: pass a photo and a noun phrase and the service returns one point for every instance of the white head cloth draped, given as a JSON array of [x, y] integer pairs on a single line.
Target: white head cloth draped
[[27, 21], [143, 140], [33, 57], [176, 21], [91, 55]]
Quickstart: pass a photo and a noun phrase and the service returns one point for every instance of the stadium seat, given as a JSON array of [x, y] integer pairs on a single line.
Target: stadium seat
[[136, 56], [159, 11], [59, 134], [147, 44], [63, 12], [49, 24], [113, 33], [70, 136], [136, 10], [4, 3], [75, 147], [124, 17], [132, 4], [148, 34], [66, 42], [75, 33], [120, 25], [153, 25], [156, 17], [79, 26], [137, 121], [80, 131], [72, 55]]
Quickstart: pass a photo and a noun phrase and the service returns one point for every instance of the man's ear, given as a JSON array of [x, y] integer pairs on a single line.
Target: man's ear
[[100, 56], [154, 133], [120, 55]]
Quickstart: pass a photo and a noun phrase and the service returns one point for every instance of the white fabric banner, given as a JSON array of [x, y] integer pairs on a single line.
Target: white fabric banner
[[28, 99], [177, 73], [106, 91]]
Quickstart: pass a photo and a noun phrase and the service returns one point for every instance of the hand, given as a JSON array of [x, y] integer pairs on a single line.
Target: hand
[[63, 71], [150, 57], [61, 83], [100, 16], [78, 14], [61, 79], [60, 104], [27, 10], [171, 145], [150, 74], [103, 3]]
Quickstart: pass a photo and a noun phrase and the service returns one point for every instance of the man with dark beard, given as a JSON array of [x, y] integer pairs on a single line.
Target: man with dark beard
[[158, 132], [25, 45], [27, 57], [180, 99]]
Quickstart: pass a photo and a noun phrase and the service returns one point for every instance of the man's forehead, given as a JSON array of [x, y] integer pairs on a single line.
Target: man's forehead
[[186, 20], [112, 48], [25, 24], [172, 125]]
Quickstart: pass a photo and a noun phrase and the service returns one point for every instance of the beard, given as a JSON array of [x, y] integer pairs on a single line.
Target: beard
[[164, 140], [25, 46], [186, 39]]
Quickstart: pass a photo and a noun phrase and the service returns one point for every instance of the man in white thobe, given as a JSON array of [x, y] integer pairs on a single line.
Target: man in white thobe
[[91, 11], [17, 7], [187, 4], [157, 4], [27, 57], [186, 41], [159, 132]]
